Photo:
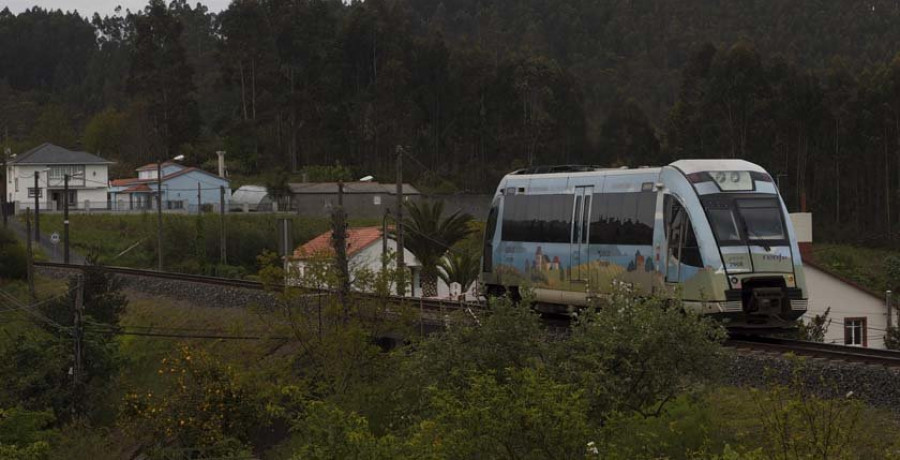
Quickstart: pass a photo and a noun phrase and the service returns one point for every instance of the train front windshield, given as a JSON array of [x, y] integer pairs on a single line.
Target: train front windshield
[[746, 220]]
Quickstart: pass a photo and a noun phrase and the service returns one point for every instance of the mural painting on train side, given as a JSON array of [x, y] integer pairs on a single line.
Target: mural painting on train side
[[547, 265]]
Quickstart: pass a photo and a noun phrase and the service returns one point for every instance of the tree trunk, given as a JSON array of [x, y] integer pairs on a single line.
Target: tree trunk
[[243, 91], [292, 147], [429, 283], [837, 169], [887, 185], [253, 86]]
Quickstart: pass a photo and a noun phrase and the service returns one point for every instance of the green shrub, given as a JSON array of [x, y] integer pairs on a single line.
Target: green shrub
[[13, 259]]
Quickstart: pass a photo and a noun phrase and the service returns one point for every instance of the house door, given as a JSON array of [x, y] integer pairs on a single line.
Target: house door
[[56, 197], [580, 236]]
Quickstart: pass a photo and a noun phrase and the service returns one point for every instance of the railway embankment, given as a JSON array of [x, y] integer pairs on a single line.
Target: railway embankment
[[186, 289], [875, 384]]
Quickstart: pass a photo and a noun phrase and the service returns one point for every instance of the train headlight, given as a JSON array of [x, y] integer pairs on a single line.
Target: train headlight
[[735, 282], [790, 281]]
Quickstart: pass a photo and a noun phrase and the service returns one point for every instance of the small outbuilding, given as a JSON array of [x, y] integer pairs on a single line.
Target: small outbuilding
[[251, 198], [361, 199]]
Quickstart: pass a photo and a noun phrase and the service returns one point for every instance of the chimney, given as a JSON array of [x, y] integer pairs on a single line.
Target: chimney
[[221, 154], [802, 222]]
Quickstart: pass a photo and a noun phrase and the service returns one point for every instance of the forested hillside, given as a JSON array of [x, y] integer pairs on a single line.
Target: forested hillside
[[472, 89]]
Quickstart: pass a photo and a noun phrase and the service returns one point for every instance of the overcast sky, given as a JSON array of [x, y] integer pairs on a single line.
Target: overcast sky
[[89, 7]]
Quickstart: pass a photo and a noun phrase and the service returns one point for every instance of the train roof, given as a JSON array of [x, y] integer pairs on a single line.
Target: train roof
[[685, 166], [576, 170], [695, 166]]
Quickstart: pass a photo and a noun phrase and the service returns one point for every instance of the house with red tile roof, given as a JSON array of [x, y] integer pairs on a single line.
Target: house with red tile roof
[[183, 188], [365, 247]]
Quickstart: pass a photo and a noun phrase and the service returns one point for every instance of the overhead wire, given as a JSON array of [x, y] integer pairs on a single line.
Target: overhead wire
[[209, 334], [28, 308]]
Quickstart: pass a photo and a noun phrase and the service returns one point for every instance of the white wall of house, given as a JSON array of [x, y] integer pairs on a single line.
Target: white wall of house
[[370, 258], [848, 304], [166, 170], [21, 179], [89, 189]]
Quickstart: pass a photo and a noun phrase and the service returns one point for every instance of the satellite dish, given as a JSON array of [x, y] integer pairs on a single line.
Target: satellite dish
[[367, 179]]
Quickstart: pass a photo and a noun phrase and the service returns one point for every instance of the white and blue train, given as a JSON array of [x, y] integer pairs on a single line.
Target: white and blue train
[[714, 233]]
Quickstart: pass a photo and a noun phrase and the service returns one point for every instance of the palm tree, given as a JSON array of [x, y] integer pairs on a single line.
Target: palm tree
[[428, 235], [460, 267]]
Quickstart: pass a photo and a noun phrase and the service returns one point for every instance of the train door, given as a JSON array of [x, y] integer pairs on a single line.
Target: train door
[[580, 235]]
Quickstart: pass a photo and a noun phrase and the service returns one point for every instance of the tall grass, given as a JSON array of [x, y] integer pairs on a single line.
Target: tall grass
[[191, 243]]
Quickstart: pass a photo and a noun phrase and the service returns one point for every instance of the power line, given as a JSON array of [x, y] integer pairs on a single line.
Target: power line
[[194, 336], [19, 306]]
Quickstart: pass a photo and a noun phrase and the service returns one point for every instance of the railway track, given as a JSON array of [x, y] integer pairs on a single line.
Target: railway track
[[817, 350], [432, 304]]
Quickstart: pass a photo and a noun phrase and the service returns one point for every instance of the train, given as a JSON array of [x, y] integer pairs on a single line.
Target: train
[[713, 233]]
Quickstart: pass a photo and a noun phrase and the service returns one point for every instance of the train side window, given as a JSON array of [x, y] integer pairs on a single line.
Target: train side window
[[644, 217], [511, 224], [690, 253], [604, 228], [561, 218], [628, 218], [675, 216], [629, 229], [490, 228], [599, 228], [538, 218]]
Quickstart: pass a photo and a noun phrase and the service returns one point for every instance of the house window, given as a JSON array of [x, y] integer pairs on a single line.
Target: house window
[[32, 192], [855, 332], [176, 204], [58, 172], [376, 200]]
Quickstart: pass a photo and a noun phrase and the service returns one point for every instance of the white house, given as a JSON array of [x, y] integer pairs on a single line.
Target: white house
[[88, 176], [365, 246], [858, 315]]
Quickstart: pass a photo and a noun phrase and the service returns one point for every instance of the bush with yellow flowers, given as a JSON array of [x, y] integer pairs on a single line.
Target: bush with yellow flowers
[[202, 405]]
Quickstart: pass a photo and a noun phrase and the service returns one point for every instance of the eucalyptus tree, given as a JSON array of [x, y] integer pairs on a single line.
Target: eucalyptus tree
[[161, 78]]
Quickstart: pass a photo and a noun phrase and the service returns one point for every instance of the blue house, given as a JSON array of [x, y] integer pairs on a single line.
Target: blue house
[[183, 188]]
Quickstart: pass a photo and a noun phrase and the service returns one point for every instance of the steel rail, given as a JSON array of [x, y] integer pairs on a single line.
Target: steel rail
[[817, 350], [423, 302]]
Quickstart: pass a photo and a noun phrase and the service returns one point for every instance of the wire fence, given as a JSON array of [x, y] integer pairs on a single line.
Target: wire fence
[[120, 206]]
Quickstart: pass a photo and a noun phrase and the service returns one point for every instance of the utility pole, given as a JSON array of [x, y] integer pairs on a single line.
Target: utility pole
[[199, 200], [5, 190], [37, 207], [159, 223], [890, 310], [30, 267], [339, 240], [401, 264], [66, 218], [78, 331], [223, 255], [384, 239]]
